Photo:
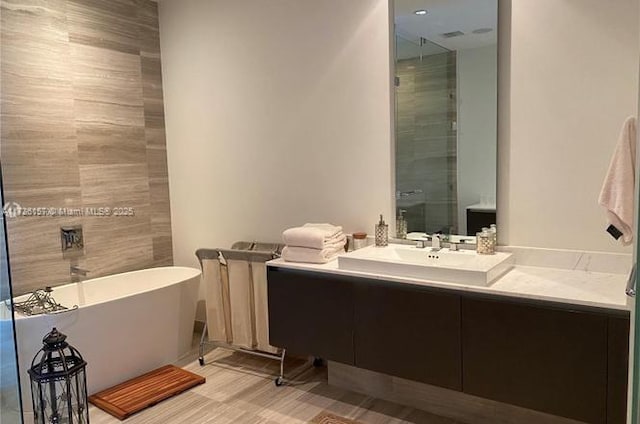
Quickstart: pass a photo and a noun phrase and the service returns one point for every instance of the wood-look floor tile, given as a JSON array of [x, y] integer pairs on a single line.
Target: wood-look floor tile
[[240, 389], [186, 408]]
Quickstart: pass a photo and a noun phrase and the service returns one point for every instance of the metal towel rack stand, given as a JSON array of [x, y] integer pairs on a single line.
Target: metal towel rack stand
[[251, 252]]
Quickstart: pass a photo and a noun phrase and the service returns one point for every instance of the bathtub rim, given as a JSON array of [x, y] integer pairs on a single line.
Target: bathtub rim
[[197, 274]]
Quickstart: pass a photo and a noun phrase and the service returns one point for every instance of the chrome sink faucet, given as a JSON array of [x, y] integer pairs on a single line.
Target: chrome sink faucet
[[435, 243]]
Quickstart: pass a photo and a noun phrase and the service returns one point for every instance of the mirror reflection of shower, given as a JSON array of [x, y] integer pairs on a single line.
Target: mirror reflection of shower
[[425, 134], [445, 114]]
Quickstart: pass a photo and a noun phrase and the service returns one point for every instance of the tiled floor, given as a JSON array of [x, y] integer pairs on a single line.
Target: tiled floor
[[240, 389]]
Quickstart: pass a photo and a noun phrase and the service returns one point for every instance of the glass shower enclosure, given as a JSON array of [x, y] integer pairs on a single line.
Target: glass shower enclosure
[[426, 135], [10, 402]]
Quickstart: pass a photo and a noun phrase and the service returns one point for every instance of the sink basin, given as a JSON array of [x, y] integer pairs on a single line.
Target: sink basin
[[462, 266]]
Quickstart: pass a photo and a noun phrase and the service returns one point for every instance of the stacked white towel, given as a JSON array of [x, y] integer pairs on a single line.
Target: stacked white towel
[[313, 243]]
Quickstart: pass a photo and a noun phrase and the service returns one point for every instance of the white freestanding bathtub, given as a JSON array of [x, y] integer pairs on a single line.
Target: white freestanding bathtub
[[125, 325]]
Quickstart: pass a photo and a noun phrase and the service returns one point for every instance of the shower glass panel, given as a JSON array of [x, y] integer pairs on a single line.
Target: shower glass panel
[[10, 403], [426, 139]]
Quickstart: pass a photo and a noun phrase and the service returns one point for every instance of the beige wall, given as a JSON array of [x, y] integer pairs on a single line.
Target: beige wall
[[280, 115], [276, 116], [573, 81], [83, 126]]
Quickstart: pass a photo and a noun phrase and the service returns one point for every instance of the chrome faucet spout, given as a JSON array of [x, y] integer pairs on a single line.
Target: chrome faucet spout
[[77, 273], [435, 242]]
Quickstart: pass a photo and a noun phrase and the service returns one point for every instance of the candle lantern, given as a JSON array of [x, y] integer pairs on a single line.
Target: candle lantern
[[59, 383]]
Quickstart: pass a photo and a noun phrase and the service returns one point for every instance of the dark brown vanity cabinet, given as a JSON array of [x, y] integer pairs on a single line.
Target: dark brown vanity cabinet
[[409, 332], [311, 314], [560, 361]]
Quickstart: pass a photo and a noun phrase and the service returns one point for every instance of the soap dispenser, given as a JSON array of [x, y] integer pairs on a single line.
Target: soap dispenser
[[382, 233]]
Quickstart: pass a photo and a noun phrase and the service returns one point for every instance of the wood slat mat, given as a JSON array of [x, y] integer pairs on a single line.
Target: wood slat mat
[[139, 393]]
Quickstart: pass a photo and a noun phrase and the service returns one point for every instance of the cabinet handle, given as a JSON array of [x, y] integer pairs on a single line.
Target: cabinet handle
[[631, 283]]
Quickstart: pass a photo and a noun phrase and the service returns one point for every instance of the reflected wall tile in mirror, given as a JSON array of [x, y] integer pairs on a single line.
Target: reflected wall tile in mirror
[[434, 147]]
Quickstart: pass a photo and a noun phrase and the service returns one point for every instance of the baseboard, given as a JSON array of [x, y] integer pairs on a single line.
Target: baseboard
[[436, 400]]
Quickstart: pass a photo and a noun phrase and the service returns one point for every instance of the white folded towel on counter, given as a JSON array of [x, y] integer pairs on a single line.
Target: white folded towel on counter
[[305, 254], [618, 189], [330, 229], [315, 236]]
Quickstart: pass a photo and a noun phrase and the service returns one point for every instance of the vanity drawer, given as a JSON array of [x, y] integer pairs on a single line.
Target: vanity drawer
[[550, 360], [409, 332], [311, 314]]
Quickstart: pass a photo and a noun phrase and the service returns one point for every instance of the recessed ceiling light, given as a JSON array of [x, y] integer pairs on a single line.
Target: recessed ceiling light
[[421, 12], [482, 30]]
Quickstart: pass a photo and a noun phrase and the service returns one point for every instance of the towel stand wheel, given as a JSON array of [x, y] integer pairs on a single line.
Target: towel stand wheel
[[279, 381]]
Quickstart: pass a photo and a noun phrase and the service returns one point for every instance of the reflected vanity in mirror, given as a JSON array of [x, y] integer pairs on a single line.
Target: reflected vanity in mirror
[[445, 115]]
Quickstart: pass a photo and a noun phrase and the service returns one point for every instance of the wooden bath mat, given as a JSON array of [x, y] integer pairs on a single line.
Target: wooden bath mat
[[328, 418], [139, 393]]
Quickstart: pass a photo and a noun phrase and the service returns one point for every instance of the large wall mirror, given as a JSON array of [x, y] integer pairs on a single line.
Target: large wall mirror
[[446, 114]]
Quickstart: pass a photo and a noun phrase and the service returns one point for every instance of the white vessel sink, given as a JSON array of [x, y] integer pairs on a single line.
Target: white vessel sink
[[462, 266]]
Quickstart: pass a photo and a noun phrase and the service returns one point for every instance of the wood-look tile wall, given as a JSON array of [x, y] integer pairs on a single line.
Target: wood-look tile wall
[[426, 141], [82, 125]]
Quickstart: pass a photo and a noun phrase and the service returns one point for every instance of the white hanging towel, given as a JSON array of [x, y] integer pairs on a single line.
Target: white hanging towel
[[618, 189]]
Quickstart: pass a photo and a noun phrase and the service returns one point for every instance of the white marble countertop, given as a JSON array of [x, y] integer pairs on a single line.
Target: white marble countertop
[[567, 286]]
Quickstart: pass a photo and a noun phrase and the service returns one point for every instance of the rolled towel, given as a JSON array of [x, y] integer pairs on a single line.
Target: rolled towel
[[315, 236], [313, 256]]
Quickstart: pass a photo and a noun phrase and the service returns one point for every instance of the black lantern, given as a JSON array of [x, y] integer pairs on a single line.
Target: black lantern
[[59, 383]]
